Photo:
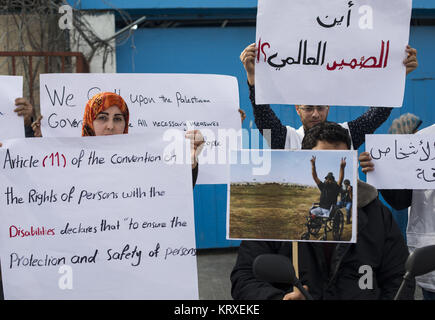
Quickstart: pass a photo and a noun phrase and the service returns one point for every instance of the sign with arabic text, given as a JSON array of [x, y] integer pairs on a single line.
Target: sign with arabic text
[[306, 195], [402, 161], [335, 52]]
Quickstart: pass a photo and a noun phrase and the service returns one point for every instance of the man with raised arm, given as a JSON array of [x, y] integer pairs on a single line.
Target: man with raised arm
[[329, 189], [286, 137]]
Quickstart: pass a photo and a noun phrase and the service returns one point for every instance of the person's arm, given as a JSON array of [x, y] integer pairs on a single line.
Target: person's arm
[[397, 199], [313, 170], [341, 176], [367, 123], [28, 132], [195, 175], [266, 119], [196, 145], [394, 255], [264, 116], [242, 115], [244, 285], [25, 109], [36, 127]]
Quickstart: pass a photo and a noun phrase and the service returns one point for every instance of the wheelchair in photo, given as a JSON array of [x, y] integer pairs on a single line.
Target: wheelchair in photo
[[334, 224]]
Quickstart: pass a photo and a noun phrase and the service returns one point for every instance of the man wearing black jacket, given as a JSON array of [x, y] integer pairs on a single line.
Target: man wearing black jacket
[[329, 270]]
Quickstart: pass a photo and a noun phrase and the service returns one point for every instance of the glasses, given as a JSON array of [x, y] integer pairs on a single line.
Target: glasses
[[310, 109]]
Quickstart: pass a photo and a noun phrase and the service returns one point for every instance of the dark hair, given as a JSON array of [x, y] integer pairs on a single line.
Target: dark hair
[[325, 131]]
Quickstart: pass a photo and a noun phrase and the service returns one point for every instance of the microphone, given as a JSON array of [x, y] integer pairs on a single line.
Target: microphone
[[419, 262], [276, 268]]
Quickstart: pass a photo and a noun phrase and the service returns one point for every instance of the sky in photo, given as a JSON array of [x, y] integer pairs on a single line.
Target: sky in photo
[[295, 166]]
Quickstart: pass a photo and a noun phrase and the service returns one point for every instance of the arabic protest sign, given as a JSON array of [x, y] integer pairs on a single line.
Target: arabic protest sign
[[290, 202], [402, 161], [11, 125], [335, 52], [163, 102], [96, 218]]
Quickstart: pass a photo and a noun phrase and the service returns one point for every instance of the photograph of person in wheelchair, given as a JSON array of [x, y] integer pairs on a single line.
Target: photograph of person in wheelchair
[[326, 215], [290, 202]]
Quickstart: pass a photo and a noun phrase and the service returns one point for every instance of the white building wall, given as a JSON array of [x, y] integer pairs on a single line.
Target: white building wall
[[103, 24]]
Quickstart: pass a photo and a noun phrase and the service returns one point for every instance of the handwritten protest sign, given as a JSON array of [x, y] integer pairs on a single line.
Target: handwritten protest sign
[[289, 202], [156, 102], [335, 52], [402, 161], [11, 125], [96, 218]]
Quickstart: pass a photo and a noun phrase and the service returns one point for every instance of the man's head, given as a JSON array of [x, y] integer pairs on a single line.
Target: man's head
[[329, 178], [346, 182], [312, 115], [326, 136]]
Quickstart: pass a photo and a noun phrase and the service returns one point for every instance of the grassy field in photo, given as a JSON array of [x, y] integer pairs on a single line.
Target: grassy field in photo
[[273, 211]]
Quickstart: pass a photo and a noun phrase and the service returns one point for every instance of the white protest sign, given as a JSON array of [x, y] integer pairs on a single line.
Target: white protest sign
[[335, 52], [303, 195], [96, 218], [402, 161], [11, 125], [156, 101]]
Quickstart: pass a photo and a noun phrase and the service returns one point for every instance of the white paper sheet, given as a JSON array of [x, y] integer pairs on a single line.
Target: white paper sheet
[[402, 161], [162, 102], [96, 218], [334, 52], [11, 125]]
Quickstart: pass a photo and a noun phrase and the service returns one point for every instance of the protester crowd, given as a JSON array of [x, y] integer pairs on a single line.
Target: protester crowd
[[327, 270]]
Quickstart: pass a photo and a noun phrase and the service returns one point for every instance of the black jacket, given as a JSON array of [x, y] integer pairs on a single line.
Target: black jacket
[[398, 199], [380, 245]]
